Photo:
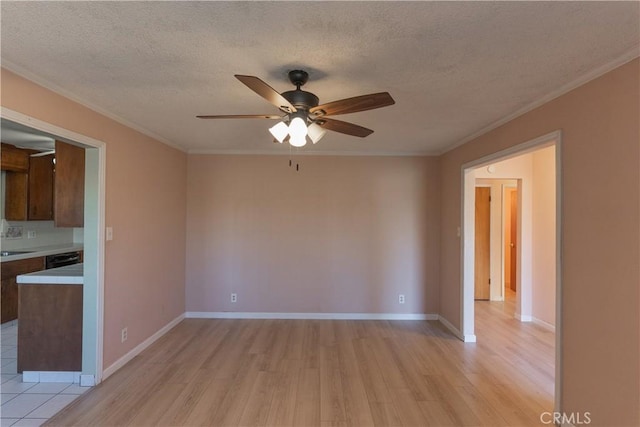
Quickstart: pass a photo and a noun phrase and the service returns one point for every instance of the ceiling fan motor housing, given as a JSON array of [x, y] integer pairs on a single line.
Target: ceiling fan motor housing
[[301, 99]]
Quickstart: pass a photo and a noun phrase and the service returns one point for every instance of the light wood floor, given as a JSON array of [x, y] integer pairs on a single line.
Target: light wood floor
[[330, 373]]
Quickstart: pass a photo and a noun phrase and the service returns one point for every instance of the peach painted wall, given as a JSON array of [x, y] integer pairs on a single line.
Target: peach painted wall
[[600, 231], [145, 205], [342, 235]]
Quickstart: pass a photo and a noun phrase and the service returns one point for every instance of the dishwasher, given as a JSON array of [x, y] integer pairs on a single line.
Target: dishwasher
[[60, 260]]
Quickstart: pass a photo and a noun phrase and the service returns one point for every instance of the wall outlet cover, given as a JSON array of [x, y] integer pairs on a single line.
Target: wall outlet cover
[[14, 232]]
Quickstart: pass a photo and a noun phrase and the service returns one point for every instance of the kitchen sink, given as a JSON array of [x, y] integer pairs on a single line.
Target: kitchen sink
[[8, 253]]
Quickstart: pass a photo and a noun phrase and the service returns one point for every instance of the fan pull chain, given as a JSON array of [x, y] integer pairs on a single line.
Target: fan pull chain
[[291, 160], [297, 164]]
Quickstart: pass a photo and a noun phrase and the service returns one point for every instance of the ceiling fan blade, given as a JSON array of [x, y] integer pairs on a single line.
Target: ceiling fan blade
[[344, 127], [353, 105], [267, 92], [243, 116]]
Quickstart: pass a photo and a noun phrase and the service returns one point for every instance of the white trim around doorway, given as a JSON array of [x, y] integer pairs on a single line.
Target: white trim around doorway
[[91, 375], [467, 248]]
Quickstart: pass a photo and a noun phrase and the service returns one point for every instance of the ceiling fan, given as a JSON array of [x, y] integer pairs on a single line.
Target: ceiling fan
[[303, 116]]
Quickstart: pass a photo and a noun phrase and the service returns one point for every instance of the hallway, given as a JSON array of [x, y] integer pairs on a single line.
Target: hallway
[[527, 348]]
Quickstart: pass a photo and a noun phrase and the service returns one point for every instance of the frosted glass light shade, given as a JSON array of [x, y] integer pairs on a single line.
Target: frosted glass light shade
[[279, 131], [298, 141], [315, 132], [297, 129]]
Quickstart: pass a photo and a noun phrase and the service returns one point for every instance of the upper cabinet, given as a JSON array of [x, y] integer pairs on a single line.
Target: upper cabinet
[[16, 196], [69, 186], [41, 185], [14, 159], [45, 188]]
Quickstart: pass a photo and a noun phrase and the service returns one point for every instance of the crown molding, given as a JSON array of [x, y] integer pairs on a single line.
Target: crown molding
[[22, 72], [626, 57]]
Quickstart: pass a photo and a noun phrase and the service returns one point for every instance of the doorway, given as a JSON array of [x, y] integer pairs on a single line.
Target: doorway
[[496, 237], [520, 275], [93, 240]]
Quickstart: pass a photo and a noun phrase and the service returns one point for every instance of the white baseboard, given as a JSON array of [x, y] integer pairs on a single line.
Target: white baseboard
[[308, 316], [523, 317], [51, 377], [455, 331], [140, 347], [469, 338], [543, 324], [87, 380]]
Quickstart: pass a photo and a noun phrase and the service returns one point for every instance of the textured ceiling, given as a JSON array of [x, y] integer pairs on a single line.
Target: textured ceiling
[[454, 68]]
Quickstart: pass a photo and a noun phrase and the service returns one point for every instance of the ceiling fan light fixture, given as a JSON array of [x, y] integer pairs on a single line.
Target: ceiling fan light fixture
[[279, 131], [298, 141], [315, 132], [297, 129]]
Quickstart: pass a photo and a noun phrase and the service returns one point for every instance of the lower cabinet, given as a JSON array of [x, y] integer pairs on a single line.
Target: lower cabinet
[[9, 297], [50, 329]]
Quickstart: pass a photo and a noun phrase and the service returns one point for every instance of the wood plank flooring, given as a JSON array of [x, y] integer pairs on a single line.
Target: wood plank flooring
[[330, 373]]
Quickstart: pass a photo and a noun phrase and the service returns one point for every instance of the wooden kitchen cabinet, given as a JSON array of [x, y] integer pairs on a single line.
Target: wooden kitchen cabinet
[[9, 297], [13, 159], [29, 185], [69, 186], [45, 188], [41, 185], [29, 196], [50, 329], [16, 196]]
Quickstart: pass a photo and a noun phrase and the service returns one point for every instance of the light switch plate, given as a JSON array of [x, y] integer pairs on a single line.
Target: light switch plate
[[109, 233]]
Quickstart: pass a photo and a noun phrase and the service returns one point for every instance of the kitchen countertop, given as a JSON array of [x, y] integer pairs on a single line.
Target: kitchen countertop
[[68, 275], [43, 251]]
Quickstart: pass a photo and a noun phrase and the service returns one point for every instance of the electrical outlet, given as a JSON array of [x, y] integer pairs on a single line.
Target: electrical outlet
[[234, 297], [31, 234], [401, 299], [14, 232], [123, 335]]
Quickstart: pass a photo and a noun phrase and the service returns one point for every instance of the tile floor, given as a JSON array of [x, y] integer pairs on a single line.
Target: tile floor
[[28, 404]]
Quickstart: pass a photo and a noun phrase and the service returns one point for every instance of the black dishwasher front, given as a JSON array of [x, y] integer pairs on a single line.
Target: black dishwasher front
[[60, 260]]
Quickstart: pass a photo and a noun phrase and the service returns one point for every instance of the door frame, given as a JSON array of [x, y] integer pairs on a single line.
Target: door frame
[[503, 242], [93, 295], [467, 230]]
